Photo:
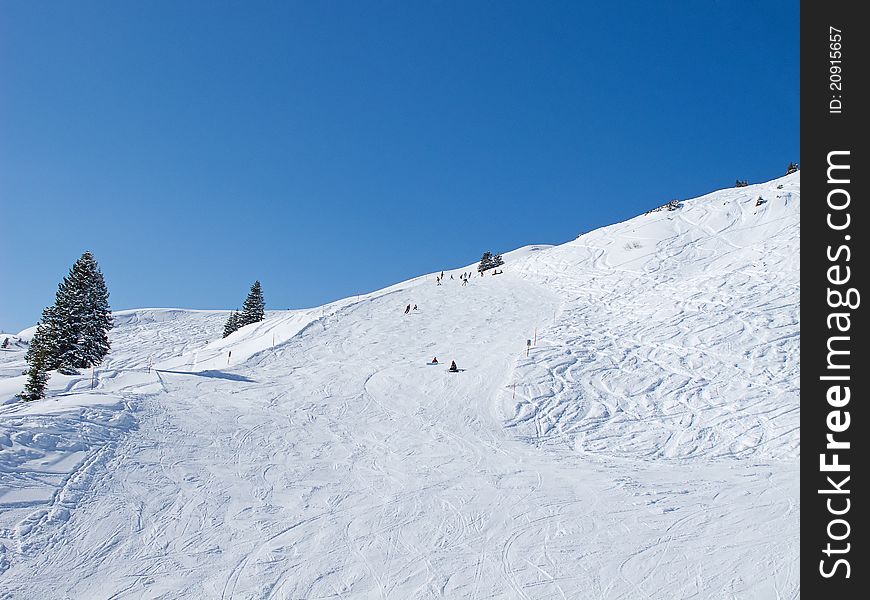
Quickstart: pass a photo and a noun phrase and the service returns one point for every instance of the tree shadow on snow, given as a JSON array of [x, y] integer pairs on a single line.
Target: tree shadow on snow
[[213, 375]]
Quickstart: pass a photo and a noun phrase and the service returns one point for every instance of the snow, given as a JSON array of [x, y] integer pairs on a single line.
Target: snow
[[647, 446]]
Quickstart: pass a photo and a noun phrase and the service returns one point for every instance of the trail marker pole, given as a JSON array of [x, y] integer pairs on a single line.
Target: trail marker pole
[[514, 393], [93, 378], [229, 354], [528, 346], [536, 338]]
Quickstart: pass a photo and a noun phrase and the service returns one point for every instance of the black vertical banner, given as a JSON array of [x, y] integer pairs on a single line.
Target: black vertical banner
[[834, 372]]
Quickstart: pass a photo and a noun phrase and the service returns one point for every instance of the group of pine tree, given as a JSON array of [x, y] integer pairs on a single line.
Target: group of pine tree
[[793, 167], [489, 261], [74, 332], [253, 311]]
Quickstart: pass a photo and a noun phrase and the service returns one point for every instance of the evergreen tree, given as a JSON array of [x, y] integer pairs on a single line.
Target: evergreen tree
[[254, 308], [73, 334], [61, 331], [485, 262], [37, 377], [489, 261], [741, 183], [46, 340], [232, 324], [792, 168], [92, 313], [82, 317]]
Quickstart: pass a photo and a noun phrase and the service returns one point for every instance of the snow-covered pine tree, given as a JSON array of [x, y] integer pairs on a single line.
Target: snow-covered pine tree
[[485, 262], [232, 323], [94, 313], [489, 261], [792, 168], [254, 308], [85, 318], [37, 377], [741, 183], [40, 339], [73, 334], [46, 340], [61, 329]]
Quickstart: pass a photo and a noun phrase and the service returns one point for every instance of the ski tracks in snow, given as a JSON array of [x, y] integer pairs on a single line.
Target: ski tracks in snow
[[653, 426]]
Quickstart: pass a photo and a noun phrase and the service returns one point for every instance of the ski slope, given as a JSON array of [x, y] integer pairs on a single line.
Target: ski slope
[[647, 446]]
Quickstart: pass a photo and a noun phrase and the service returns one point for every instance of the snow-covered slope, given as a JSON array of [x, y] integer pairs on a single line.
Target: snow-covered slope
[[679, 333], [645, 448]]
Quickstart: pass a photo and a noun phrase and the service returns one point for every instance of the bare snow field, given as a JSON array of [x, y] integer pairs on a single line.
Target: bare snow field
[[646, 448]]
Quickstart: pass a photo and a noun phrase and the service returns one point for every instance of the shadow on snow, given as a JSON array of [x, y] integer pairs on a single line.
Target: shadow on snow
[[213, 375]]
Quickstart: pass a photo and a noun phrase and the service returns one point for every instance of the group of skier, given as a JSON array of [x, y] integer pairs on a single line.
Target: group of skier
[[453, 368], [464, 278]]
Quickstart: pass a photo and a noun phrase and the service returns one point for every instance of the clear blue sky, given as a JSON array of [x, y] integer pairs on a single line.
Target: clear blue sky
[[328, 148]]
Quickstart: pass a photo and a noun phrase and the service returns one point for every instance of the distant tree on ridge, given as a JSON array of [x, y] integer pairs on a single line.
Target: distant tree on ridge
[[254, 308], [489, 261]]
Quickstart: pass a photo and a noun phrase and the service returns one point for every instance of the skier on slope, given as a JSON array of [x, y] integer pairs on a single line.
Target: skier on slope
[[453, 368], [434, 360], [407, 309]]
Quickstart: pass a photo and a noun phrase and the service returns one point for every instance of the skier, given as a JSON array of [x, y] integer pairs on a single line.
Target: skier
[[434, 360], [453, 368], [464, 282], [415, 307], [407, 309]]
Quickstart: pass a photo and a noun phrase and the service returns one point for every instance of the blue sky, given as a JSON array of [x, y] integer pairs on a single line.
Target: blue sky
[[328, 148]]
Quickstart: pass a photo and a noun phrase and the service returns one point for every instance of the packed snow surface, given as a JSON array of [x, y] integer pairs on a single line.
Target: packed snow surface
[[645, 446]]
